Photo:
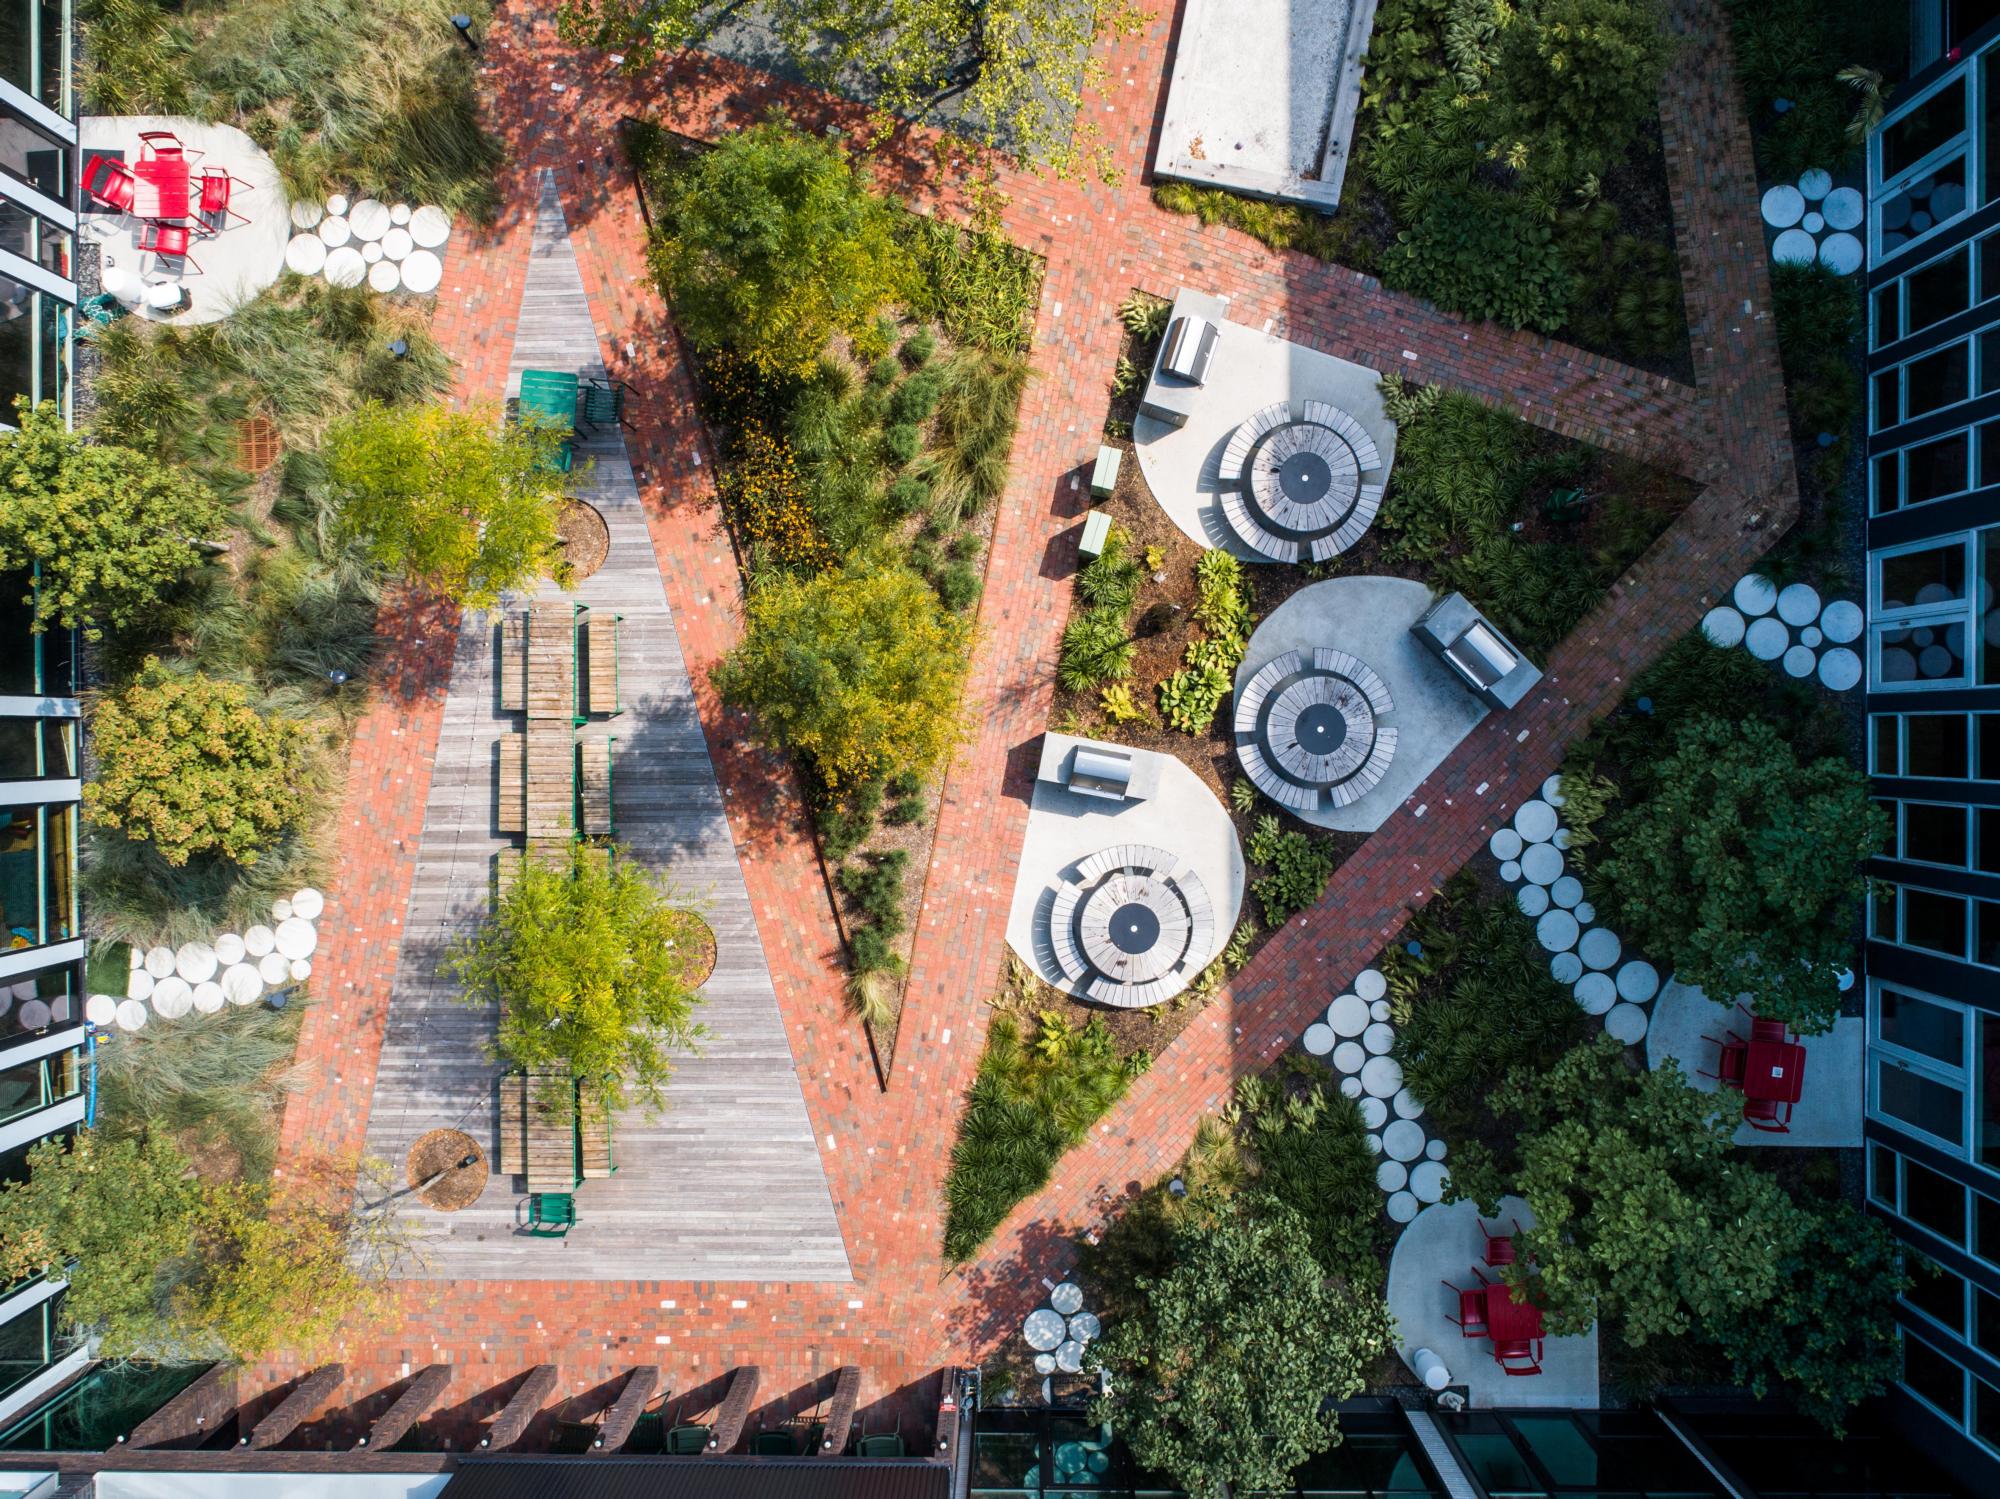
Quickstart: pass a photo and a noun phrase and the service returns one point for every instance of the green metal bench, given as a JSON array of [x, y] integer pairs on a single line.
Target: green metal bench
[[548, 397], [551, 1215], [689, 1441], [604, 403]]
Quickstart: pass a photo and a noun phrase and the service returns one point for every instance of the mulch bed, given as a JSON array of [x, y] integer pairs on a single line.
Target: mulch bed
[[584, 538], [700, 956], [443, 1150]]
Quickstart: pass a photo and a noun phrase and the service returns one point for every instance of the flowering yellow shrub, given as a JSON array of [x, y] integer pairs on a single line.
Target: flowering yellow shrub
[[770, 505]]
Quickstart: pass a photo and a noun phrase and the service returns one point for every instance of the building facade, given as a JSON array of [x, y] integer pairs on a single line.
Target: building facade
[[43, 1043], [1933, 722]]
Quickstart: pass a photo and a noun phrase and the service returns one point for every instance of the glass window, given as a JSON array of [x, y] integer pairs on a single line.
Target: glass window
[[59, 988], [1939, 468], [1892, 840], [34, 348], [1989, 453], [1935, 921], [1937, 380], [1920, 577], [1987, 1124], [1935, 1291], [38, 874], [1986, 1226], [1986, 840], [1921, 1102], [1988, 725], [1938, 290], [31, 748], [1986, 1321], [33, 157], [1986, 933], [1007, 1461], [1919, 1025], [1888, 481], [21, 1090], [1989, 362], [1886, 744], [1986, 613], [1882, 1176], [1920, 655], [34, 49], [1936, 198], [1888, 385], [1930, 125], [27, 1344], [1986, 1412], [1934, 834], [1886, 303], [1934, 1377], [32, 237], [1934, 1201]]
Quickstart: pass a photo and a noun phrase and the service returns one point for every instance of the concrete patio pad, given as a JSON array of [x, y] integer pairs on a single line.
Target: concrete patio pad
[[1371, 618], [1250, 370], [236, 264], [1442, 1243], [1829, 1109]]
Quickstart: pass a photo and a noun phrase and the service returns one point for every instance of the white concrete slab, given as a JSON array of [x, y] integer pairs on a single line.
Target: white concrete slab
[[225, 270], [1829, 1108], [1064, 828], [1263, 96], [1250, 370], [1442, 1244], [1371, 618]]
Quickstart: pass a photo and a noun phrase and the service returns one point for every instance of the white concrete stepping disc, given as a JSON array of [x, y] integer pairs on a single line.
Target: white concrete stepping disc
[[1783, 206], [1348, 1015], [1794, 247], [1723, 626], [1043, 1330], [1511, 870], [337, 203], [1767, 639], [1084, 1326], [307, 212], [1599, 947], [1374, 1113], [369, 218], [1586, 912], [159, 961], [1839, 668], [371, 254], [1504, 844], [1427, 1181], [302, 969], [172, 998], [397, 243], [1799, 661], [1382, 1076], [1561, 839], [335, 230], [1841, 620], [258, 940], [306, 254], [1815, 183], [1557, 931], [1754, 594], [1595, 993], [1319, 1038], [1350, 1087], [135, 957], [1565, 968], [1067, 1298], [1045, 1363], [1374, 1143], [1567, 891], [1840, 253], [383, 275], [1435, 1149], [1407, 1105], [308, 903], [1536, 821], [1378, 1038], [195, 961], [1379, 1010], [1552, 790], [345, 267], [1543, 864], [131, 1015], [430, 226], [1627, 1023], [1798, 604], [208, 997], [229, 949], [140, 984], [1402, 1207], [295, 937], [241, 985], [1391, 1176], [1638, 981], [281, 910], [1370, 984], [422, 271], [1349, 1056], [274, 968], [1810, 635], [1532, 899], [100, 1009]]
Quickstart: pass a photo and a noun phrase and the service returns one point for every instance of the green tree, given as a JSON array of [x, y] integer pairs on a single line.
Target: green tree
[[448, 498], [587, 960], [1828, 1339], [860, 669], [1642, 1209], [775, 245], [111, 528], [1222, 1379], [187, 763], [1740, 865], [1015, 70], [1486, 254], [1574, 79]]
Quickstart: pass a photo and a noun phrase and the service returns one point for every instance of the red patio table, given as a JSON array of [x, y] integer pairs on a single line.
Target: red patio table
[[1511, 1321], [1775, 1070], [167, 178]]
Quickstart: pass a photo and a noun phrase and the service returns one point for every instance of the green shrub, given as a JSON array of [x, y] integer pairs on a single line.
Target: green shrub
[[901, 442], [906, 496], [1627, 289], [1485, 254], [876, 888], [1794, 50], [972, 433], [846, 817], [915, 399], [882, 372], [1573, 80], [1097, 647], [1819, 323], [1109, 580], [918, 348], [957, 585], [1190, 698], [1300, 866], [980, 289], [868, 951], [1281, 226], [1311, 1153]]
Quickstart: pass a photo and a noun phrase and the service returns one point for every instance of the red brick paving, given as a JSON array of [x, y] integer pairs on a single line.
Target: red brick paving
[[885, 1153]]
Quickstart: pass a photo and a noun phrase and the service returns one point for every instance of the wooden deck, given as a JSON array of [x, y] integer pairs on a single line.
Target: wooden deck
[[512, 809], [595, 758], [551, 690], [551, 809], [513, 1155], [593, 1130], [678, 1207], [601, 650], [549, 1153], [513, 662]]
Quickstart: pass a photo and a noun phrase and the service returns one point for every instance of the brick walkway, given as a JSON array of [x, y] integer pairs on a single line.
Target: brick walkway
[[885, 1153]]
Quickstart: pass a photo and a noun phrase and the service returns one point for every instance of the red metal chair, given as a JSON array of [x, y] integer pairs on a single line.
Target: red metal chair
[[1471, 1318], [168, 239], [1505, 1354], [1500, 1248], [109, 181], [1762, 1114], [1769, 1030], [1732, 1060], [161, 143], [216, 186]]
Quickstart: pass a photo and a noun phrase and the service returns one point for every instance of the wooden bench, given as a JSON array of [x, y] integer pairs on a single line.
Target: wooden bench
[[551, 779], [551, 688], [513, 814], [514, 663], [550, 1132], [595, 755], [513, 1124], [593, 1133], [601, 647]]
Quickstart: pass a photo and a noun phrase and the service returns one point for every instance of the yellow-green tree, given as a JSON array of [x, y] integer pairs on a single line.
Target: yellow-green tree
[[188, 764], [451, 499], [860, 669]]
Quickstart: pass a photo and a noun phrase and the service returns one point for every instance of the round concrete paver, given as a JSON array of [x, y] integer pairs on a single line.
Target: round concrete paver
[[1798, 604], [1565, 968], [1542, 864], [140, 984], [1638, 981], [1403, 1207], [1349, 1056], [1319, 1038], [1370, 984], [159, 961], [1815, 183], [1842, 621], [132, 1016], [1562, 839], [1794, 247], [302, 969], [1841, 254], [1567, 891], [1378, 1038], [274, 968], [1532, 899], [1374, 1113], [1839, 669], [1391, 1176], [1844, 208], [306, 254], [1552, 790], [1382, 1076], [241, 985], [1511, 870], [195, 961], [1754, 595], [1043, 1329], [1811, 636], [1427, 1181], [228, 949], [1379, 1010], [1586, 912], [208, 997], [1374, 1143], [1595, 993], [1504, 844], [1435, 1149], [1407, 1105], [1348, 1015], [1783, 206], [100, 1010], [1557, 930], [1599, 947], [173, 997], [422, 271], [307, 212], [295, 938], [1067, 1298], [1767, 639], [1799, 661], [1627, 1023], [430, 226], [1350, 1087], [258, 940], [1723, 626], [1535, 821]]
